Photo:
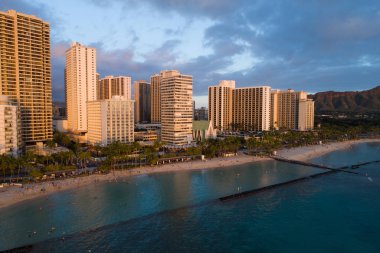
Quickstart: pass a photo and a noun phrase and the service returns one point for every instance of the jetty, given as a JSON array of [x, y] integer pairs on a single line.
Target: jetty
[[330, 170]]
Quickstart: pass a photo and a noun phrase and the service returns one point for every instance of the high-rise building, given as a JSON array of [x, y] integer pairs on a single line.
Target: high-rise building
[[155, 96], [10, 136], [25, 72], [114, 86], [220, 104], [176, 108], [306, 115], [251, 108], [80, 82], [286, 110], [233, 108], [110, 120], [142, 101]]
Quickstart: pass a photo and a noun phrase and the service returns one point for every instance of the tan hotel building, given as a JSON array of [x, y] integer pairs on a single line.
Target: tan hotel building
[[291, 110], [114, 86], [251, 108], [220, 104], [25, 72], [306, 115], [176, 108], [233, 108]]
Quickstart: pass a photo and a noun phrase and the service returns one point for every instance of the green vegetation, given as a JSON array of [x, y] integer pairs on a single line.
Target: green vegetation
[[124, 156]]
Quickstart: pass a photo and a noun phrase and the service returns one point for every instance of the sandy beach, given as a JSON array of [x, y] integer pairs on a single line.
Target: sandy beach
[[14, 194], [309, 152]]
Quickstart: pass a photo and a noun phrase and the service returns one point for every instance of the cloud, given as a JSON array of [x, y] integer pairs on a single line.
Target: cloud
[[308, 45]]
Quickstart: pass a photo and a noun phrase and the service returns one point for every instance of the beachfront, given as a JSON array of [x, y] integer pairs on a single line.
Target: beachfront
[[12, 195]]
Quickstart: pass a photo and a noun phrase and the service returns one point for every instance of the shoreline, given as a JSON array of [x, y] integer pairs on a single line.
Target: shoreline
[[12, 195], [306, 153]]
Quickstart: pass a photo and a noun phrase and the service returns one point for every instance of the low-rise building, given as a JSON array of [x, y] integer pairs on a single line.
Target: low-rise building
[[10, 136], [149, 135]]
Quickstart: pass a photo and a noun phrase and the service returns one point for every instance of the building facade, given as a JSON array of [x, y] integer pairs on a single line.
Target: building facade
[[306, 115], [114, 86], [201, 114], [239, 109], [251, 108], [25, 72], [286, 111], [220, 104], [176, 108], [155, 96], [10, 135], [80, 83], [142, 101], [110, 120]]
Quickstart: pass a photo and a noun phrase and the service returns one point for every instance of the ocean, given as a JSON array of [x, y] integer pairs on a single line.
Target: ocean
[[182, 212]]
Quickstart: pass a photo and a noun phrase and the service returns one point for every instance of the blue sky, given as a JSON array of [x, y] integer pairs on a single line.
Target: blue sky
[[312, 45]]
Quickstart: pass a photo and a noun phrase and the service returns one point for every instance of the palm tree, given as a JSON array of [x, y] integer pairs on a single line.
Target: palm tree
[[83, 158]]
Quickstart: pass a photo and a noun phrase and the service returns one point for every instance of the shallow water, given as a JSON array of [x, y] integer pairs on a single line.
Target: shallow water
[[180, 212]]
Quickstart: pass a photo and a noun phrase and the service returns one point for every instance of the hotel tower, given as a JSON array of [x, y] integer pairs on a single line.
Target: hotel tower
[[142, 101], [220, 104], [155, 98], [291, 110], [176, 108], [80, 82], [25, 73], [114, 86], [239, 109]]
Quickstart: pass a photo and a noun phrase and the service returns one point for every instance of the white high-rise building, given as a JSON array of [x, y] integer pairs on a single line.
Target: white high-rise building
[[10, 137], [110, 120], [176, 107], [80, 81]]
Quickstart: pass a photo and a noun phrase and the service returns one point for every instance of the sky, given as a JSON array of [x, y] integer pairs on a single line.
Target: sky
[[310, 45]]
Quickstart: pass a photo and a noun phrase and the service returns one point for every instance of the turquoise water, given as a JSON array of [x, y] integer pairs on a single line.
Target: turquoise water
[[180, 212]]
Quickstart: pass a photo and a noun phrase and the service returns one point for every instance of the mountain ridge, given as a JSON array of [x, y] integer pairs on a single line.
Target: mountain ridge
[[366, 101]]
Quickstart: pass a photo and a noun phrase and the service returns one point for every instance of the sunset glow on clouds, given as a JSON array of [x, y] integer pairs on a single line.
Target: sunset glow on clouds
[[311, 45]]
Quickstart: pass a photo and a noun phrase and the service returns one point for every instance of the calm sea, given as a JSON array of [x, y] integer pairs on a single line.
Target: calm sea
[[180, 211]]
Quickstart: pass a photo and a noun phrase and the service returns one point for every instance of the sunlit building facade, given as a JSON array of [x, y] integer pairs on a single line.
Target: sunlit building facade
[[10, 135], [80, 84], [291, 110], [220, 104], [251, 108], [110, 120], [239, 109], [176, 108], [114, 86], [25, 73]]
